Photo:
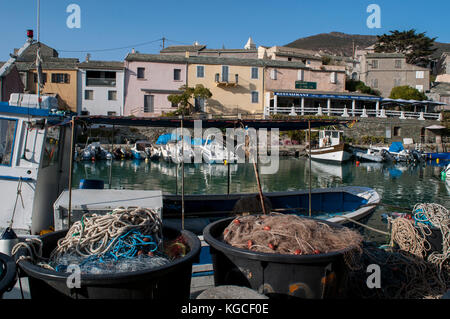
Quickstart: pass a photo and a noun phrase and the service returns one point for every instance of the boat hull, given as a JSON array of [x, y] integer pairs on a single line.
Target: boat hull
[[336, 153]]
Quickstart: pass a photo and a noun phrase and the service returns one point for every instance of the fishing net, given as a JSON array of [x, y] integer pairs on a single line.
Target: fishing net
[[289, 234], [403, 275]]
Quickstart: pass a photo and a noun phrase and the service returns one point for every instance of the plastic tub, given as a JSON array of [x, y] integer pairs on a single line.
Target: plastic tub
[[168, 281], [7, 273], [276, 275]]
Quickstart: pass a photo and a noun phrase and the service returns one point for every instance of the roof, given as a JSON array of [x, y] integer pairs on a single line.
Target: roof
[[385, 55], [441, 88], [183, 48], [105, 65], [212, 60]]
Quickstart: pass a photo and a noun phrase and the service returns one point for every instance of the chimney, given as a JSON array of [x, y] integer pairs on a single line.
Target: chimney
[[187, 54], [88, 57], [133, 51]]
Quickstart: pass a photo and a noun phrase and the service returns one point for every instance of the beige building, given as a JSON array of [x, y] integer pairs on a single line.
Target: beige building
[[384, 71], [237, 85]]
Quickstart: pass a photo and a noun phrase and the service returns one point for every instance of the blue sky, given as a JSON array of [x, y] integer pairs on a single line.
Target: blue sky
[[229, 23]]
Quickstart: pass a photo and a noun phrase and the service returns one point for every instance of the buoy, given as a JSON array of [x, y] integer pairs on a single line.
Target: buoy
[[358, 163], [437, 160], [146, 160], [225, 162], [7, 241]]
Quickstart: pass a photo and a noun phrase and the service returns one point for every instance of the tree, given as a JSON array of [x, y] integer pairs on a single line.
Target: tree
[[417, 47], [407, 93], [353, 86], [183, 100]]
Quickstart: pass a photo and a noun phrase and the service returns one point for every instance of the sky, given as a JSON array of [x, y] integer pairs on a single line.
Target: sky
[[115, 24]]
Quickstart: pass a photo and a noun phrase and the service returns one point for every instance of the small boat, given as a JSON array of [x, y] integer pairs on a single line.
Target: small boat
[[215, 152], [371, 155], [331, 148], [440, 156], [141, 150], [95, 151]]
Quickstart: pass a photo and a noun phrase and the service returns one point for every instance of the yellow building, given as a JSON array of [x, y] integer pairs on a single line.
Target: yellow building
[[60, 79], [237, 85]]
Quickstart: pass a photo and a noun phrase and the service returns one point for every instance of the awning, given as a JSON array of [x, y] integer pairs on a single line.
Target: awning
[[436, 127], [282, 125]]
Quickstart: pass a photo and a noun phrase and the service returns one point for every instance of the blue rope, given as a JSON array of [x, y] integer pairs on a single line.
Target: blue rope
[[419, 217], [126, 246]]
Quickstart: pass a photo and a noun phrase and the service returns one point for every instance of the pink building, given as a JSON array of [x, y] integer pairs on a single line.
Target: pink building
[[149, 80]]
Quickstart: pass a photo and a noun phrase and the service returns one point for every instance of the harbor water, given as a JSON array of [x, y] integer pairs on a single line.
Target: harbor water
[[399, 185]]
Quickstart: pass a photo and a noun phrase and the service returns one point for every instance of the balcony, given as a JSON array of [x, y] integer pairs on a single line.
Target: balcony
[[100, 82], [222, 81]]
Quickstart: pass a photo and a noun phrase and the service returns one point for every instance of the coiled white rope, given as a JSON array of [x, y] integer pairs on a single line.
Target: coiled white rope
[[96, 234]]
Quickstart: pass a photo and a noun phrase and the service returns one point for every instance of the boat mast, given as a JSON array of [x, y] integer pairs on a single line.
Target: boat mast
[[38, 54]]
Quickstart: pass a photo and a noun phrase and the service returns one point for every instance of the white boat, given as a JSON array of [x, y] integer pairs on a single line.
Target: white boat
[[215, 152], [331, 149], [371, 155]]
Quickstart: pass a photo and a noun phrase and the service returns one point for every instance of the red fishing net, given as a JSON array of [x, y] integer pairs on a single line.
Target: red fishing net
[[289, 234]]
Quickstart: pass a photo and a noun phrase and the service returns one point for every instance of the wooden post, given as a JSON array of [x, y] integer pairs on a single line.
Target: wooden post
[[72, 138], [309, 145]]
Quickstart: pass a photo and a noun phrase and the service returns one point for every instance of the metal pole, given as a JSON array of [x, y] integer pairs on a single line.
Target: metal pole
[[38, 51], [112, 150], [182, 174], [309, 144], [72, 138]]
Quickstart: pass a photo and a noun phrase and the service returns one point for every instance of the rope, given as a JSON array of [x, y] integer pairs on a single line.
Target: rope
[[412, 236], [99, 235], [30, 245]]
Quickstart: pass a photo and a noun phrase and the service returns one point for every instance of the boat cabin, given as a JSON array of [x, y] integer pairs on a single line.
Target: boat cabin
[[329, 138]]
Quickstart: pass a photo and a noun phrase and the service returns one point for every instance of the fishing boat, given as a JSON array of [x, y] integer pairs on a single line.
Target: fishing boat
[[371, 155], [331, 149], [95, 151]]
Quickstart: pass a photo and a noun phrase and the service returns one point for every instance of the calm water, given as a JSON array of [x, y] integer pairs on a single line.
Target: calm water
[[398, 185]]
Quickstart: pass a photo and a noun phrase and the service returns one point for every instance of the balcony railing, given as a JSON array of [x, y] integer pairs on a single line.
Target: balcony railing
[[344, 112], [221, 81], [100, 82]]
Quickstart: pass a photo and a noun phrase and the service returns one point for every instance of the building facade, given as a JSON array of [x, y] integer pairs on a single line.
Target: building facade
[[101, 88], [149, 80], [384, 71]]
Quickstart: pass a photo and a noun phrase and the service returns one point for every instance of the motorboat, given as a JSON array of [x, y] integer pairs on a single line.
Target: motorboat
[[141, 150], [215, 152], [331, 149]]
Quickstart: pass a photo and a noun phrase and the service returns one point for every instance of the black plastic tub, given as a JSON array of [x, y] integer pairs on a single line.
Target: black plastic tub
[[7, 273], [275, 275], [169, 281]]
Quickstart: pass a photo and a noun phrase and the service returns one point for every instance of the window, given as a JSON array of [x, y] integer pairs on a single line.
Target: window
[[200, 104], [255, 73], [112, 113], [301, 75], [398, 64], [88, 95], [200, 71], [44, 77], [374, 64], [225, 73], [149, 101], [100, 78], [112, 95], [174, 104], [289, 59], [374, 83], [141, 73], [177, 75], [7, 134], [420, 74], [333, 77], [397, 131], [60, 78], [273, 74], [51, 146], [419, 87], [255, 97]]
